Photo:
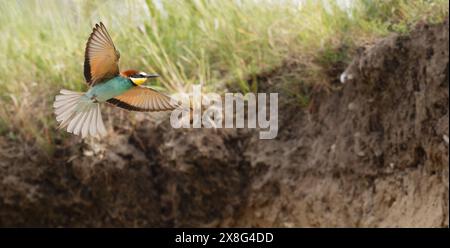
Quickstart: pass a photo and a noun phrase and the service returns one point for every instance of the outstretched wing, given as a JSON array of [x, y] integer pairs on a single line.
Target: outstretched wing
[[101, 59], [143, 99]]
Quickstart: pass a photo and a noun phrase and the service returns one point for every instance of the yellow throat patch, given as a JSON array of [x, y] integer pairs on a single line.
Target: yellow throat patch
[[138, 81]]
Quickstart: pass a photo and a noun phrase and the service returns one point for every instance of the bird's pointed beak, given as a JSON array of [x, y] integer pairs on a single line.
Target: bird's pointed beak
[[152, 76]]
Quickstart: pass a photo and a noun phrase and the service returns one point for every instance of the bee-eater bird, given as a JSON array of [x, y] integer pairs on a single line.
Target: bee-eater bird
[[79, 113]]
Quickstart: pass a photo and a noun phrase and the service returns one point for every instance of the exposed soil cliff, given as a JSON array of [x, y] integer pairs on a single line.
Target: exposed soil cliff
[[372, 153]]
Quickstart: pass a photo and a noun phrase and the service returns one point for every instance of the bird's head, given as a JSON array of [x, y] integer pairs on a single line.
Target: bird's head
[[137, 77]]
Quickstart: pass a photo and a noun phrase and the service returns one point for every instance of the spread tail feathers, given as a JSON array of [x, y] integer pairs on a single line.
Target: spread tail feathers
[[78, 114]]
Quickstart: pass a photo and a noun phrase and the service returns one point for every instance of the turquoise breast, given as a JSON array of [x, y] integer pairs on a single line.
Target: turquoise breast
[[110, 89]]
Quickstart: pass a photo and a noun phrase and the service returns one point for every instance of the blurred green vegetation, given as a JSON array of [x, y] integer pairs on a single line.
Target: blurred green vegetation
[[215, 43]]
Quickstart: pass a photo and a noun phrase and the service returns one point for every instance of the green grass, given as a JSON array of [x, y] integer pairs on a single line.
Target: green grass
[[215, 43]]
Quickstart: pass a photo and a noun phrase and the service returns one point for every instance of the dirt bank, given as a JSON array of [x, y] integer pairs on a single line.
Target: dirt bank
[[373, 152]]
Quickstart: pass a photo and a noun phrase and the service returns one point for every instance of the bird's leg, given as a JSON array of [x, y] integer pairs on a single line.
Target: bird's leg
[[94, 99]]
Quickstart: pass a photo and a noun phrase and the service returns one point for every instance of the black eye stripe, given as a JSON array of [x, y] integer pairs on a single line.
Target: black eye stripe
[[138, 76]]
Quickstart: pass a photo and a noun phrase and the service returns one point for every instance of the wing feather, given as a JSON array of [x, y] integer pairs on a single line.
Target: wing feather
[[101, 59], [143, 99]]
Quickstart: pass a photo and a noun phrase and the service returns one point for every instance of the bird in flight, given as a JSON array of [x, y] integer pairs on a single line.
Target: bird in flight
[[79, 113]]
